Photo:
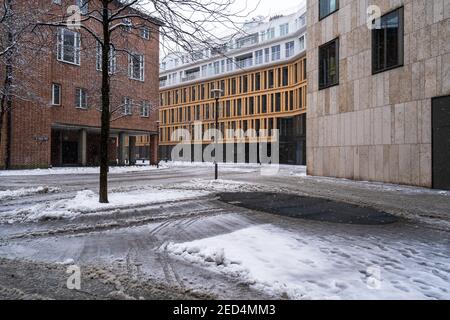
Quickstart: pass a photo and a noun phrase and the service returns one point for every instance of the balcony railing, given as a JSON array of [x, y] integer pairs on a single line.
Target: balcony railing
[[191, 76], [244, 63]]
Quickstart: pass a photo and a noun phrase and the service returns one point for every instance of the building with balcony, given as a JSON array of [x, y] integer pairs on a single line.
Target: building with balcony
[[60, 124], [379, 91], [262, 74]]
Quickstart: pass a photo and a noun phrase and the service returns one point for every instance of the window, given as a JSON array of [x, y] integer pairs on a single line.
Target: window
[[276, 54], [145, 34], [136, 66], [327, 7], [284, 29], [68, 46], [127, 24], [216, 67], [56, 94], [387, 42], [270, 33], [80, 98], [259, 57], [302, 43], [229, 64], [57, 2], [329, 64], [267, 55], [145, 109], [83, 5], [112, 58], [289, 49], [127, 106]]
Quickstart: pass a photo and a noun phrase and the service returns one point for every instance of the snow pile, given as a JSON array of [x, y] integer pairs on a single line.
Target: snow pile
[[11, 194], [283, 264], [75, 170], [86, 202]]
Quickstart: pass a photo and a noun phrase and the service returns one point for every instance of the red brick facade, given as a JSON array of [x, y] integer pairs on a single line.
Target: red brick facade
[[33, 121]]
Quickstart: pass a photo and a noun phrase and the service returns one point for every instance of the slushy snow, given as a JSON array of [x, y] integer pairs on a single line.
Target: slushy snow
[[286, 264], [86, 202]]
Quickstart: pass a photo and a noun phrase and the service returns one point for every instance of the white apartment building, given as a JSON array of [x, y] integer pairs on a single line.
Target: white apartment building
[[261, 42]]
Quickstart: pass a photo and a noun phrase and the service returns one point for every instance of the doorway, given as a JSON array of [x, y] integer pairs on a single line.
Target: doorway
[[441, 142]]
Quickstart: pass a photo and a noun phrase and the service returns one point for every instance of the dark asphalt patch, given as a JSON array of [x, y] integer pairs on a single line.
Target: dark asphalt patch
[[310, 208]]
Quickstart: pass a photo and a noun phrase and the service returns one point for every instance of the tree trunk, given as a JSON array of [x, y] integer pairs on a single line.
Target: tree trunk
[[6, 102], [105, 117]]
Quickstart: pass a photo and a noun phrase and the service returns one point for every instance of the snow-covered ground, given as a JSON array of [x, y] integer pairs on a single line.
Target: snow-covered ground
[[75, 170], [297, 266], [11, 194], [86, 202]]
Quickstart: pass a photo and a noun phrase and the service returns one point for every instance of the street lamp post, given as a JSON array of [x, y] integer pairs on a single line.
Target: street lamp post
[[157, 144], [216, 94]]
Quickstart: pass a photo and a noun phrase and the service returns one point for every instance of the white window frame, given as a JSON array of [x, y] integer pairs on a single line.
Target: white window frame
[[259, 56], [145, 33], [61, 55], [284, 29], [290, 49], [131, 75], [112, 58], [127, 106], [270, 33], [267, 55], [302, 42], [127, 24], [276, 54], [81, 99], [56, 85], [145, 109]]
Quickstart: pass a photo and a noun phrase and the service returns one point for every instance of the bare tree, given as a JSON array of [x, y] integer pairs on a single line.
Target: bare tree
[[186, 23]]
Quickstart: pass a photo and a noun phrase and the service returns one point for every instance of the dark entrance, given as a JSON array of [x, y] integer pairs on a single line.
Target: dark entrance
[[441, 142], [292, 140], [69, 152]]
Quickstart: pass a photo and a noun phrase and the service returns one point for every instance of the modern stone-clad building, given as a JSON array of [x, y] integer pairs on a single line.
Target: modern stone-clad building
[[379, 91], [262, 74], [60, 126]]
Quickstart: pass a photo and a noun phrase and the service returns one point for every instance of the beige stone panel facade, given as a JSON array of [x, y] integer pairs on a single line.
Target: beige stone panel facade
[[377, 127]]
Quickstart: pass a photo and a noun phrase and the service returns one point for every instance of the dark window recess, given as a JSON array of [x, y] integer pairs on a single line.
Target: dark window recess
[[285, 76], [244, 84], [270, 80], [277, 102], [387, 42], [327, 7], [257, 81], [239, 107], [233, 86], [228, 108], [329, 64], [264, 103], [251, 105]]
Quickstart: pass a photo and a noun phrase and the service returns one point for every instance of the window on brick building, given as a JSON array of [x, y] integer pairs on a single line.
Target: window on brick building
[[145, 33], [145, 109], [81, 98], [327, 7], [329, 64], [136, 66], [68, 47], [56, 94], [127, 24], [127, 106], [387, 42], [112, 58]]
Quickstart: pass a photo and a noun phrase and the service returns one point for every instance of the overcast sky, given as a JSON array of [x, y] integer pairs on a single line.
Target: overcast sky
[[272, 7]]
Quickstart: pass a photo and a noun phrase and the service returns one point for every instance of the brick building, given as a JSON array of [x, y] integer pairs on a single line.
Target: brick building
[[379, 94], [62, 125]]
